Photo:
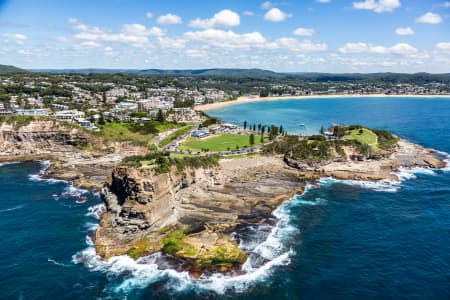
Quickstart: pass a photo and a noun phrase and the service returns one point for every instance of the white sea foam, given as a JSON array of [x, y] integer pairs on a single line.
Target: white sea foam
[[317, 201], [8, 163], [45, 164], [270, 251], [389, 186], [385, 185], [96, 211], [12, 208], [446, 157], [57, 263]]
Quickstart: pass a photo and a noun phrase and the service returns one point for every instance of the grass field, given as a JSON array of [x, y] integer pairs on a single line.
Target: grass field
[[366, 137], [120, 132], [218, 143], [161, 127]]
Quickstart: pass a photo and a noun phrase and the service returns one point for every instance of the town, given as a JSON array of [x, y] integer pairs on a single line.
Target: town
[[86, 99]]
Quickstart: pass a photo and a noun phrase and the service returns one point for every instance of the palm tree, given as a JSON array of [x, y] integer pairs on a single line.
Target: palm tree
[[252, 139]]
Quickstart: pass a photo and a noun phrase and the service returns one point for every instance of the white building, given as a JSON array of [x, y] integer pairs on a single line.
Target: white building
[[41, 112], [69, 115]]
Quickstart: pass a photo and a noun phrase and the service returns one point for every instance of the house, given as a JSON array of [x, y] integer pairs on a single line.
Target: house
[[60, 106], [86, 124], [6, 112], [41, 112], [69, 115]]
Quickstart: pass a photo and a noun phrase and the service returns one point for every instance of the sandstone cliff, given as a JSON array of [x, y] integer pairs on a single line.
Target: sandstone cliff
[[190, 214]]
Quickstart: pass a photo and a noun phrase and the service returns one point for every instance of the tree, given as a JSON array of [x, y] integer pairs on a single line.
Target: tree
[[254, 127], [281, 129], [322, 130], [101, 121], [252, 139], [245, 125], [160, 117], [259, 127], [273, 132]]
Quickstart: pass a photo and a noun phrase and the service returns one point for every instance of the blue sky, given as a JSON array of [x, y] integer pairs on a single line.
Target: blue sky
[[285, 35]]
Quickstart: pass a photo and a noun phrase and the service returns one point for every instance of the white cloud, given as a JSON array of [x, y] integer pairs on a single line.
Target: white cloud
[[248, 13], [378, 6], [222, 19], [293, 44], [169, 19], [267, 5], [304, 31], [149, 15], [446, 4], [444, 46], [429, 18], [276, 15], [89, 45], [323, 1], [17, 38], [227, 39], [136, 35], [404, 31], [400, 49]]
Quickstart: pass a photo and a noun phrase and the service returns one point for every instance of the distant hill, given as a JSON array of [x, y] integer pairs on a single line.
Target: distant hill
[[391, 78], [215, 72], [211, 72], [10, 69]]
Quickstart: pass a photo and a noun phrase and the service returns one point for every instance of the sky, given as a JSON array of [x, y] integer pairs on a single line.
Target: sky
[[333, 36]]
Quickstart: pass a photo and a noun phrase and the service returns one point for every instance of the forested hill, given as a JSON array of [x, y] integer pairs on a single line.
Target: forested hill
[[10, 69]]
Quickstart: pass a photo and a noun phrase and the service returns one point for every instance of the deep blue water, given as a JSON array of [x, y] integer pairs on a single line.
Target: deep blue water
[[337, 241]]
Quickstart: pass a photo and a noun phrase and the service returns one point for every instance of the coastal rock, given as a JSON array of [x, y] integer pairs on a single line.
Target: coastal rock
[[203, 205]]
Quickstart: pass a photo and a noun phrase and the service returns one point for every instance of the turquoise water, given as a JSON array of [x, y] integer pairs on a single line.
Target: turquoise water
[[340, 240]]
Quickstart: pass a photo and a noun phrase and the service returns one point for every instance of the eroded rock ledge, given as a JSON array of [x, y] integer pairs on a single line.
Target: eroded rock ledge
[[191, 214]]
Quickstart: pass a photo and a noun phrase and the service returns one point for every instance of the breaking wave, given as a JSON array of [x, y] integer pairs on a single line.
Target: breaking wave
[[268, 246], [45, 164], [8, 163]]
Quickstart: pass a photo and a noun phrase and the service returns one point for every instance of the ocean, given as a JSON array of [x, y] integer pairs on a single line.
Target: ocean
[[339, 240]]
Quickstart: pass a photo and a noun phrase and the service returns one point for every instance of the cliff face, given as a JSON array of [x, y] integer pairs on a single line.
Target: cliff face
[[39, 137], [76, 155], [190, 214], [136, 201]]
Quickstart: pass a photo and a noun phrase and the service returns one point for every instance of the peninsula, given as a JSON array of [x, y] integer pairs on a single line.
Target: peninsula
[[173, 179], [187, 206]]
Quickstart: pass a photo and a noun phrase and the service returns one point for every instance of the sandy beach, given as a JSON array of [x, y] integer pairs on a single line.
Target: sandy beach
[[246, 99]]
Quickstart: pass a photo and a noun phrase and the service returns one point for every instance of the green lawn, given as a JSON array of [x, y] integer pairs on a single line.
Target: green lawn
[[218, 143], [367, 137], [168, 125], [120, 132]]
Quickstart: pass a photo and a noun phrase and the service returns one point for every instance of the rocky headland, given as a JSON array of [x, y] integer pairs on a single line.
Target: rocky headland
[[189, 207], [75, 154]]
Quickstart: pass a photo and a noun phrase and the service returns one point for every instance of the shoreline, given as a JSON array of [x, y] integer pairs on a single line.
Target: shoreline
[[247, 99]]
